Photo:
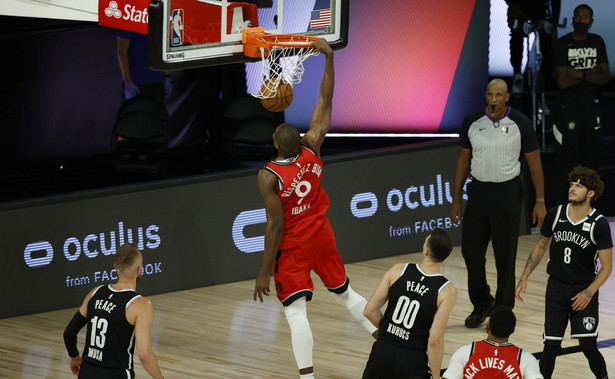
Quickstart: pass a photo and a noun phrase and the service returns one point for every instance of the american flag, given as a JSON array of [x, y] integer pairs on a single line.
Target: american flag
[[321, 18]]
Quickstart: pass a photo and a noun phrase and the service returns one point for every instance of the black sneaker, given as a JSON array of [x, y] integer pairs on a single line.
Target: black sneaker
[[478, 316]]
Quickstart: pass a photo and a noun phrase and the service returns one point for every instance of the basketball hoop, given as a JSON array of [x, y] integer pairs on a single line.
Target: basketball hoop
[[282, 56]]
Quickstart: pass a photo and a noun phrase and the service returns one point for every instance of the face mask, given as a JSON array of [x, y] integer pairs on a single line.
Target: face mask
[[580, 28]]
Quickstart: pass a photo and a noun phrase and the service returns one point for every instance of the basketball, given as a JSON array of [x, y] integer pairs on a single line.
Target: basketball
[[280, 100]]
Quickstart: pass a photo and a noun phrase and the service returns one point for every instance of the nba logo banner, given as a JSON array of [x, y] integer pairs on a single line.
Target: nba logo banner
[[177, 27], [131, 15]]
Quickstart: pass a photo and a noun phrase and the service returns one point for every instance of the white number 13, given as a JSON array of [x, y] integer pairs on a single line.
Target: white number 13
[[99, 328]]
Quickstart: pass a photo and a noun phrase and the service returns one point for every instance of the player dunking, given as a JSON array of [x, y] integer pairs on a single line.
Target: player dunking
[[579, 236], [298, 236]]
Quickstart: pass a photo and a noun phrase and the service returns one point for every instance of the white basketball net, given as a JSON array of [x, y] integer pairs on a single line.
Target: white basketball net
[[283, 63]]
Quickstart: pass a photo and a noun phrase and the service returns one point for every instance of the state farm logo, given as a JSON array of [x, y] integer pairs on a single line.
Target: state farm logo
[[112, 11], [129, 13]]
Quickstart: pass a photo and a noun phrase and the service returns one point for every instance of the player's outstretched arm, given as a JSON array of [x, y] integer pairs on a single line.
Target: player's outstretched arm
[[532, 262], [267, 184], [321, 116]]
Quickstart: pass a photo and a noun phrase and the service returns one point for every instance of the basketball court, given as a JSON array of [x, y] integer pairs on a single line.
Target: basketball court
[[220, 332]]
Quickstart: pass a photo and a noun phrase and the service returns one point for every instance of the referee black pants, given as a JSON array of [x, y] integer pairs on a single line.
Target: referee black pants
[[492, 213]]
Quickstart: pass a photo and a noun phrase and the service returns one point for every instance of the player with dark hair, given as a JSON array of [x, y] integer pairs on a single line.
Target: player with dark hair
[[579, 237], [411, 332], [494, 357], [118, 319], [298, 235]]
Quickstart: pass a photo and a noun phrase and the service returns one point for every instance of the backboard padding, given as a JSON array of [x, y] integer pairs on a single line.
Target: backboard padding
[[197, 33]]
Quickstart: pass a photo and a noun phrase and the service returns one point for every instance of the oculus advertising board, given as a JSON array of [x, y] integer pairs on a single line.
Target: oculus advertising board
[[210, 230]]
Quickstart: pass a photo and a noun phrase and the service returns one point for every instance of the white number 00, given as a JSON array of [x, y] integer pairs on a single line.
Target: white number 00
[[406, 311]]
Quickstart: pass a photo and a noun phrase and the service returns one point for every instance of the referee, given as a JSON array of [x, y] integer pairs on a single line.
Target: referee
[[492, 141]]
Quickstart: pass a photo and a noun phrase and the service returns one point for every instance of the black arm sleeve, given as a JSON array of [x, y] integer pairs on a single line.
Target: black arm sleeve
[[70, 334]]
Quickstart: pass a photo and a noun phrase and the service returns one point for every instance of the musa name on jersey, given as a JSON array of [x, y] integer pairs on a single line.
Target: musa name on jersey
[[574, 245], [304, 201], [412, 304], [110, 338]]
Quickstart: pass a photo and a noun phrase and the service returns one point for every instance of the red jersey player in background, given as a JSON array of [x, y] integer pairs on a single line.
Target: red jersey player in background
[[494, 357], [298, 236]]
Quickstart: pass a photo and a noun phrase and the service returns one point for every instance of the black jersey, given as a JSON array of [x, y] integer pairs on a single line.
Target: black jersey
[[412, 304], [110, 340], [574, 245]]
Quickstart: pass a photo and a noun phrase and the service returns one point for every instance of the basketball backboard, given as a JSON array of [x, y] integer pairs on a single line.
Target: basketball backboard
[[197, 33]]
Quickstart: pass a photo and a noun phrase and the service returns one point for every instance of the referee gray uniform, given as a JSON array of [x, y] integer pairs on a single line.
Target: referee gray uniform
[[494, 200]]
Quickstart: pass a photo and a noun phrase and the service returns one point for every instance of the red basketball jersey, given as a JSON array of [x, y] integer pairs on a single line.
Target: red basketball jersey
[[304, 201], [493, 361]]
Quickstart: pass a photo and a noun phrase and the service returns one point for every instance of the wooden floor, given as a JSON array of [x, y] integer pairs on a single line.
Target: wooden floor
[[220, 332]]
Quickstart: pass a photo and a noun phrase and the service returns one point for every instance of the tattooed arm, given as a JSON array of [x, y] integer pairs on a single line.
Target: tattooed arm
[[532, 262]]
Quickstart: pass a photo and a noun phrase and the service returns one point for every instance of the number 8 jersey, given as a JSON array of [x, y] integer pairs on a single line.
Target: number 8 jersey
[[574, 247], [110, 339], [412, 304]]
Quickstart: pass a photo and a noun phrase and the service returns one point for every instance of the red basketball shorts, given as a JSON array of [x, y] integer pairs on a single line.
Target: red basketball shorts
[[292, 267]]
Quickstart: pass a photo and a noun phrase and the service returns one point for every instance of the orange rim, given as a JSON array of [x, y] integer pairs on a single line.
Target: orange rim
[[287, 40], [255, 38]]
